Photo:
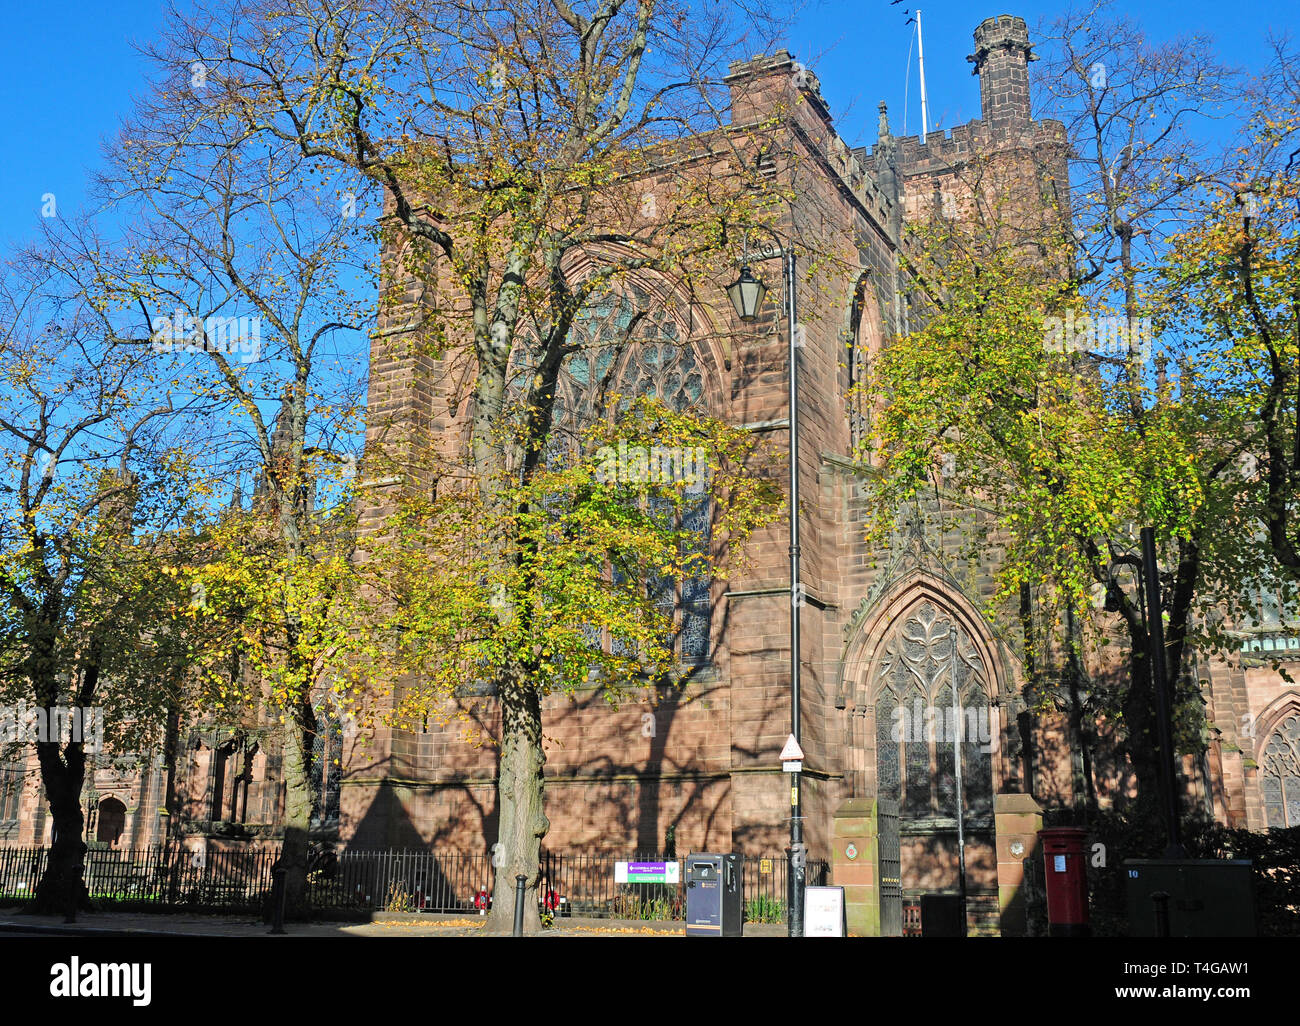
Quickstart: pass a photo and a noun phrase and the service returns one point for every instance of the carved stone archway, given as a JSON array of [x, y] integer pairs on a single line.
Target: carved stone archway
[[111, 821], [880, 645], [927, 679]]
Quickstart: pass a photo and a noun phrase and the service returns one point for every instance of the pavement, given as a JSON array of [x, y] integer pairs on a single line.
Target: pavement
[[384, 924]]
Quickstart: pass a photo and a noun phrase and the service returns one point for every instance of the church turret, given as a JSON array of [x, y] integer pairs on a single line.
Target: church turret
[[1001, 58]]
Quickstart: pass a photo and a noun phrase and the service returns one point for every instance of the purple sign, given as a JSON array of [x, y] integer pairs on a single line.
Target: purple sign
[[647, 872]]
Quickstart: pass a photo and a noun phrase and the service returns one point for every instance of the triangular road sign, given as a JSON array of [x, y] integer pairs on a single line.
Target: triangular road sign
[[791, 752]]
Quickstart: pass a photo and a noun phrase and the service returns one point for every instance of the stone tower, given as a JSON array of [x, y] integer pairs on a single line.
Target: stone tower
[[1001, 58]]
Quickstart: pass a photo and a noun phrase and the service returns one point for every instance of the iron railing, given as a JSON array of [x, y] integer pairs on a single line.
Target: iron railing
[[573, 883]]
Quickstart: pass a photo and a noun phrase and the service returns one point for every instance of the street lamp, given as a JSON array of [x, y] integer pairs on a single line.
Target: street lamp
[[746, 295]]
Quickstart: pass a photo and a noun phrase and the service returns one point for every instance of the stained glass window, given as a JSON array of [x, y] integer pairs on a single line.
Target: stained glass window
[[319, 770], [977, 753], [622, 354], [945, 776], [886, 746], [326, 770], [695, 590], [918, 661], [1281, 775], [1272, 603], [617, 645], [916, 755]]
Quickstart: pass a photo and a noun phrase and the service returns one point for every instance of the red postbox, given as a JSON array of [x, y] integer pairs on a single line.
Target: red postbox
[[1067, 880]]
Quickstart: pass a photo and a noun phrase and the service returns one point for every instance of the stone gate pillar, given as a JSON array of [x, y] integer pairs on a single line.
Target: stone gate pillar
[[855, 853], [1017, 820]]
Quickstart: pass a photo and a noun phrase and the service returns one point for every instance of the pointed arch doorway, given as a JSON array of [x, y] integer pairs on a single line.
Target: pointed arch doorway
[[930, 742]]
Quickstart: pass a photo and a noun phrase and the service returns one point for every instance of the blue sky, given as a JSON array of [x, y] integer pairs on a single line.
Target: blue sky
[[68, 70], [859, 49]]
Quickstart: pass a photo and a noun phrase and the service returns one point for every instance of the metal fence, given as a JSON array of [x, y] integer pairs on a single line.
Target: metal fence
[[577, 884], [234, 880], [402, 881], [584, 885]]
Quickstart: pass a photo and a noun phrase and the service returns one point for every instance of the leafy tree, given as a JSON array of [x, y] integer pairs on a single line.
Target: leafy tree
[[101, 491], [983, 396], [532, 156], [1071, 431], [1234, 268], [243, 272]]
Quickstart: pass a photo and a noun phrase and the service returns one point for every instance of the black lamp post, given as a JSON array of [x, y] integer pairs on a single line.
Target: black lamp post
[[746, 295]]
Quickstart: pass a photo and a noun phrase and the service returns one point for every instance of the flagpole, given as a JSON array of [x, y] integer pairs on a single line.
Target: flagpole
[[920, 57]]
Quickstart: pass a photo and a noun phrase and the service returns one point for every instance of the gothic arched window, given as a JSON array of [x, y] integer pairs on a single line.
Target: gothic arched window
[[112, 821], [11, 785], [945, 775], [916, 755], [221, 757], [1271, 624], [327, 768], [623, 348], [1280, 775], [916, 743]]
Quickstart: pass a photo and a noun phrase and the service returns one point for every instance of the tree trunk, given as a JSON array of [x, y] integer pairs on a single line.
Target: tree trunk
[[299, 804], [1140, 740], [62, 887], [523, 822]]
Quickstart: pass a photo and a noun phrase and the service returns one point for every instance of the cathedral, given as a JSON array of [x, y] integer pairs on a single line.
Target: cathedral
[[890, 635], [894, 637]]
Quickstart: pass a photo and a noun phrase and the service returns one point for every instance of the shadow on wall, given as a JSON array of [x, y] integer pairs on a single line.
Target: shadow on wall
[[1027, 908], [623, 804], [617, 799], [637, 808], [468, 824]]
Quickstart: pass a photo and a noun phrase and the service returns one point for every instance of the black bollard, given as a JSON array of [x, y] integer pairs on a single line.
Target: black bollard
[[278, 895], [1161, 901], [520, 880]]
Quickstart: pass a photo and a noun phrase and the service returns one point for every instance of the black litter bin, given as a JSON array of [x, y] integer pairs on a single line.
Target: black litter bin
[[713, 896]]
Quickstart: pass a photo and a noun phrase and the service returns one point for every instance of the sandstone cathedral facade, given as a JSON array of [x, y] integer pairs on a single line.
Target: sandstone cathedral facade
[[890, 633]]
